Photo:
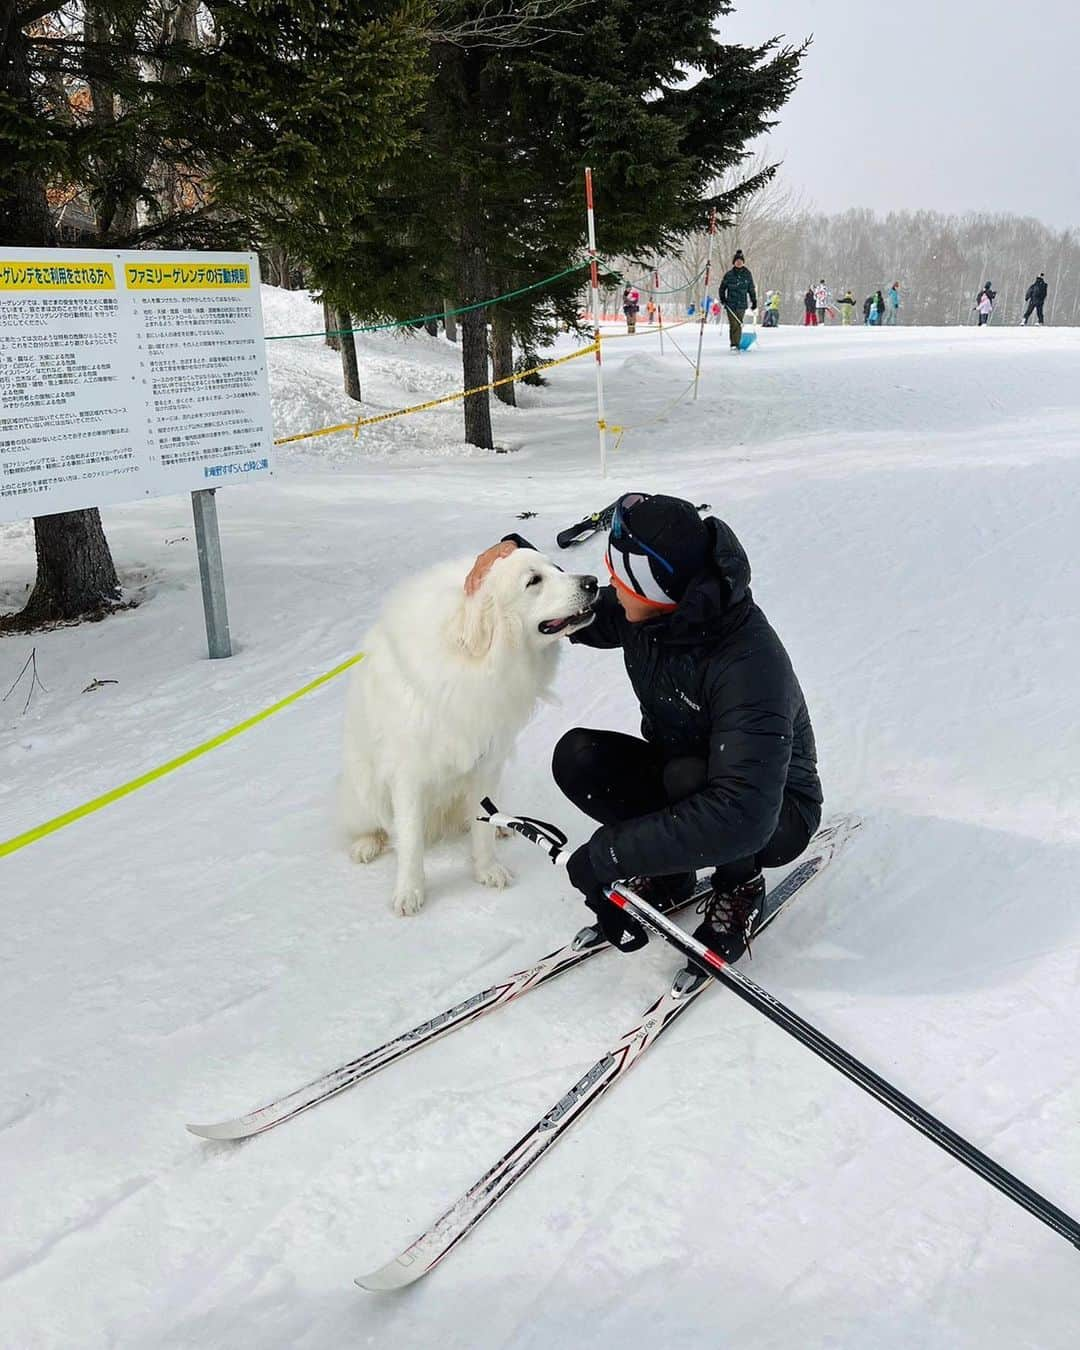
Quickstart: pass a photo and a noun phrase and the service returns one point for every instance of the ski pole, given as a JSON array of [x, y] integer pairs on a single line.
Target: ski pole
[[548, 836]]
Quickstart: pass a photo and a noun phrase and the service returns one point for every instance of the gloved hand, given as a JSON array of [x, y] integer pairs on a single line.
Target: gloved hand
[[623, 932]]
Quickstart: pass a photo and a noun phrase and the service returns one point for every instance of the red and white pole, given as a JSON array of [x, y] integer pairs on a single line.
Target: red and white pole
[[704, 298], [594, 282]]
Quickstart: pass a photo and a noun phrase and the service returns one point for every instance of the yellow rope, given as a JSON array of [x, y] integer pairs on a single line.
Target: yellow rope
[[619, 431], [354, 427], [152, 775]]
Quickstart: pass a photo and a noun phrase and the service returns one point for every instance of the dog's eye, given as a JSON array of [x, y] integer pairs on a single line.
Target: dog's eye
[[534, 580]]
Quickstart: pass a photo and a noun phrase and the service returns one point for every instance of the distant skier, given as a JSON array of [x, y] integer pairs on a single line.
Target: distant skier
[[630, 306], [870, 310], [892, 303], [847, 307], [985, 306], [650, 312], [737, 294], [810, 308], [725, 732], [1036, 298], [771, 318], [821, 300], [987, 289]]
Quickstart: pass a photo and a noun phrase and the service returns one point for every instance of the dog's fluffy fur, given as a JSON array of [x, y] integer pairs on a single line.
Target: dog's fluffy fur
[[447, 682]]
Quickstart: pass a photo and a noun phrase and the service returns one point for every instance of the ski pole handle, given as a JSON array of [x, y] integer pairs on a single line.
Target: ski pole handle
[[539, 832]]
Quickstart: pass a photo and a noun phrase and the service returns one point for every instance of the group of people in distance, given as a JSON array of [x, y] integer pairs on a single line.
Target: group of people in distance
[[737, 295], [878, 308]]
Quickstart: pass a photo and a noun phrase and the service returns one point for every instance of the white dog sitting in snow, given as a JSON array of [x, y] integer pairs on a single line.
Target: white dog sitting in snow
[[447, 682]]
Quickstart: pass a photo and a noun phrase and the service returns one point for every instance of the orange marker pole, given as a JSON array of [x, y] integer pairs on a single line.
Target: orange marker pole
[[704, 315], [594, 282]]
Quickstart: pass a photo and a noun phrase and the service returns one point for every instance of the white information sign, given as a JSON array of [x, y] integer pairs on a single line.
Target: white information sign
[[127, 374]]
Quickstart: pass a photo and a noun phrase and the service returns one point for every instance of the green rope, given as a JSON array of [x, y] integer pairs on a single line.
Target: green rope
[[427, 318], [672, 290]]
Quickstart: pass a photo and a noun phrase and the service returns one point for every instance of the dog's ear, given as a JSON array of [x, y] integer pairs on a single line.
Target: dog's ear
[[477, 623]]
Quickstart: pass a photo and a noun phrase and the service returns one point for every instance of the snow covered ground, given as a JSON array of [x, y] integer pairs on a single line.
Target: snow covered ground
[[910, 500]]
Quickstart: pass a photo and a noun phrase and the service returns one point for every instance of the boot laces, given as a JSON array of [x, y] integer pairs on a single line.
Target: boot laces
[[732, 912]]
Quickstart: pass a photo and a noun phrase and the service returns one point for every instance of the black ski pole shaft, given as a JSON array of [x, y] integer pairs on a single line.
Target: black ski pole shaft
[[851, 1067], [807, 1034]]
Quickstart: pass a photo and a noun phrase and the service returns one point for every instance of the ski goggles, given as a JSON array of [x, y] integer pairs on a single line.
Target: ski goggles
[[633, 565], [622, 535]]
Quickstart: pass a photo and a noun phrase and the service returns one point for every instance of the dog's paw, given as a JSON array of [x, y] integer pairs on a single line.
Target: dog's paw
[[409, 900], [366, 848], [494, 874]]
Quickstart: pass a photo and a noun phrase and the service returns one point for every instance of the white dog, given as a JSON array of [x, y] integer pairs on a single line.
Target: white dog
[[432, 711]]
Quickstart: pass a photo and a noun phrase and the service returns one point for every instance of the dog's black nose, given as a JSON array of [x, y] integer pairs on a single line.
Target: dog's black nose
[[589, 585]]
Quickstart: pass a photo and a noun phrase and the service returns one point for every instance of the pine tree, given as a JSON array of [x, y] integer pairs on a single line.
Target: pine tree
[[490, 197]]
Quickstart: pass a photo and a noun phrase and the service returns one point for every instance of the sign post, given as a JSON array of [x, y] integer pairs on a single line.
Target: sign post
[[128, 374], [211, 573]]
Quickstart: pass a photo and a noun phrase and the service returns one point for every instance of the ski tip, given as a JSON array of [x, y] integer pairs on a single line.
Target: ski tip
[[394, 1275], [225, 1129]]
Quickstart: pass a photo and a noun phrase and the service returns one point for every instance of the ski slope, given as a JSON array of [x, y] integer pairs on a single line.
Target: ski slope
[[910, 501]]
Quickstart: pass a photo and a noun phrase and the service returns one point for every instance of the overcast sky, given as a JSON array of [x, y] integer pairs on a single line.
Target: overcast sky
[[954, 105]]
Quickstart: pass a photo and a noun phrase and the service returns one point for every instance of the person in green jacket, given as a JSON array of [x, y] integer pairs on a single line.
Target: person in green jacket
[[772, 310], [847, 307], [737, 294]]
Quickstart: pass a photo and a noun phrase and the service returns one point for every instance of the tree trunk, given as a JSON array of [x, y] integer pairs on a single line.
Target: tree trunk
[[75, 573], [349, 367], [474, 365], [331, 324], [502, 355], [76, 578], [474, 338], [449, 320]]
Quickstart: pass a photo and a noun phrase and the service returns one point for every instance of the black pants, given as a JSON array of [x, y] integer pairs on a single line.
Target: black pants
[[612, 777], [1037, 307]]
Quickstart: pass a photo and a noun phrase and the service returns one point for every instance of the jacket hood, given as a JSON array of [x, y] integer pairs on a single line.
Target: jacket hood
[[717, 600]]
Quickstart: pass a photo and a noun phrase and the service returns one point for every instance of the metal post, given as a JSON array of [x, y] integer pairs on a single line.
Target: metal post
[[211, 573], [704, 316], [594, 283], [659, 309]]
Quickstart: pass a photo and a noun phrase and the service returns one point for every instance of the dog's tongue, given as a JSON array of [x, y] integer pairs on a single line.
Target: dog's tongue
[[557, 625]]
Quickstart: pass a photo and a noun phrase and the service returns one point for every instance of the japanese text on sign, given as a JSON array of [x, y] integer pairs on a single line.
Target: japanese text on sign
[[128, 375]]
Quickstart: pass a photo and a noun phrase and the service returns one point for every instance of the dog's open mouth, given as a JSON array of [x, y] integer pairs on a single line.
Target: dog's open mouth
[[578, 620]]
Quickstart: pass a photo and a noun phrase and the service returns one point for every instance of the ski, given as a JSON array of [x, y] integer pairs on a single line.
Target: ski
[[586, 527], [459, 1221], [586, 944], [593, 524]]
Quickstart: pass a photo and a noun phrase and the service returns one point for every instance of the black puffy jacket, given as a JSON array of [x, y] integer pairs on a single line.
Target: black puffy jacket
[[737, 289], [713, 681]]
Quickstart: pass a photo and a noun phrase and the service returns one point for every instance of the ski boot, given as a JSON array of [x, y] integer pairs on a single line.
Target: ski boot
[[729, 919]]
